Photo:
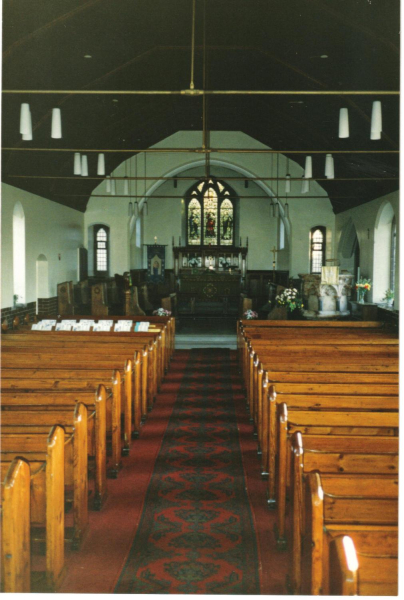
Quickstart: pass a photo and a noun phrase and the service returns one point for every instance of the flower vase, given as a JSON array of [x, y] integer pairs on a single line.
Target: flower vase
[[362, 298]]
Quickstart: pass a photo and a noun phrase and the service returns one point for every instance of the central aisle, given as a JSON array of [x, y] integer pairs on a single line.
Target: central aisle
[[196, 533], [182, 516]]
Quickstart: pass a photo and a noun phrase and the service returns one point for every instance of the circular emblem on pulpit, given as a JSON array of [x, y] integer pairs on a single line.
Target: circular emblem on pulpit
[[209, 290], [97, 289]]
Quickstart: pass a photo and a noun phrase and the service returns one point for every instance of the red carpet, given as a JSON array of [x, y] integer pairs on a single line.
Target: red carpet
[[181, 516]]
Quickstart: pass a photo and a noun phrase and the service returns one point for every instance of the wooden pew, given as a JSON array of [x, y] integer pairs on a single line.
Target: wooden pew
[[40, 411], [332, 455], [27, 431], [334, 421], [76, 361], [313, 395], [343, 567], [47, 500], [364, 507], [146, 346], [285, 356], [15, 527], [41, 382]]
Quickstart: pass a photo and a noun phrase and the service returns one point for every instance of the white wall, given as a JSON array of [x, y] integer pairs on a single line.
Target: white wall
[[51, 229], [166, 217], [366, 219]]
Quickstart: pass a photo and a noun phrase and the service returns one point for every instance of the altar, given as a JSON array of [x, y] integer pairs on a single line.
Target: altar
[[209, 280]]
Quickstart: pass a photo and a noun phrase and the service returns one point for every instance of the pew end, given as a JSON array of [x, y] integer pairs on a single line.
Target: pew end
[[343, 567]]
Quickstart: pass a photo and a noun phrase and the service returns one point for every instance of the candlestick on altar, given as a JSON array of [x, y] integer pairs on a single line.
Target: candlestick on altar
[[179, 241], [155, 239], [274, 251]]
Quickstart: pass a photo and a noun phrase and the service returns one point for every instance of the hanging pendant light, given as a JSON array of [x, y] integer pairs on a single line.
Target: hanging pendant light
[[25, 119], [145, 209], [108, 180], [77, 164], [305, 186], [136, 207], [276, 209], [84, 166], [113, 187], [56, 132], [308, 168], [101, 164], [329, 166], [376, 121], [287, 184], [27, 137], [343, 123], [130, 209], [126, 186], [286, 209]]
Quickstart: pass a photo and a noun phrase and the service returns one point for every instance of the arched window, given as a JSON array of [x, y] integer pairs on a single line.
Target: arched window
[[19, 254], [281, 234], [101, 250], [393, 254], [210, 214], [317, 249]]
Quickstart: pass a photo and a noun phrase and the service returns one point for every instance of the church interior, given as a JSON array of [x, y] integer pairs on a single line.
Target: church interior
[[200, 296]]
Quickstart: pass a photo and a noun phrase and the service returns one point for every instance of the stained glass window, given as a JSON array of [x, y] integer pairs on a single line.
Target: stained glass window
[[210, 215], [194, 222], [226, 223]]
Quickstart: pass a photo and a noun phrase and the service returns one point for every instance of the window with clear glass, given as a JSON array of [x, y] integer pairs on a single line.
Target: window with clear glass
[[393, 254], [101, 240], [281, 234], [317, 249], [210, 214]]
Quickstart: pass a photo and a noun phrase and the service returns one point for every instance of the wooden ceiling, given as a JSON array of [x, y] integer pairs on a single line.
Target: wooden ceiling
[[250, 45]]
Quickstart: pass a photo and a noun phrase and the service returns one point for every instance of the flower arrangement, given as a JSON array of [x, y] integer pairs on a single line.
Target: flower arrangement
[[362, 286], [250, 314], [389, 295], [289, 298], [162, 312]]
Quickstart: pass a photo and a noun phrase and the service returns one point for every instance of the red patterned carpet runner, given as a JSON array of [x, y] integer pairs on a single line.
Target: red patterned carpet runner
[[196, 533]]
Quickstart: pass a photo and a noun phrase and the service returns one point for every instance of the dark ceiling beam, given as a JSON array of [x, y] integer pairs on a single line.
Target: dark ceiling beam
[[352, 24], [41, 30]]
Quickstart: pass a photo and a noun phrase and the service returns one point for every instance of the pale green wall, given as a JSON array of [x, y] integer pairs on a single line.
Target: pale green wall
[[255, 222], [50, 229], [366, 217]]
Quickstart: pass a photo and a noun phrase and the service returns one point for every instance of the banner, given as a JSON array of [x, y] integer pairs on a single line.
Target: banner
[[156, 263]]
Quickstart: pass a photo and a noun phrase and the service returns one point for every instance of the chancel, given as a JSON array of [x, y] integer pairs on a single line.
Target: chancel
[[200, 297]]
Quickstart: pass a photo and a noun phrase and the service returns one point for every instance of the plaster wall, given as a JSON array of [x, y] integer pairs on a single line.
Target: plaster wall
[[366, 219], [166, 216], [50, 229]]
